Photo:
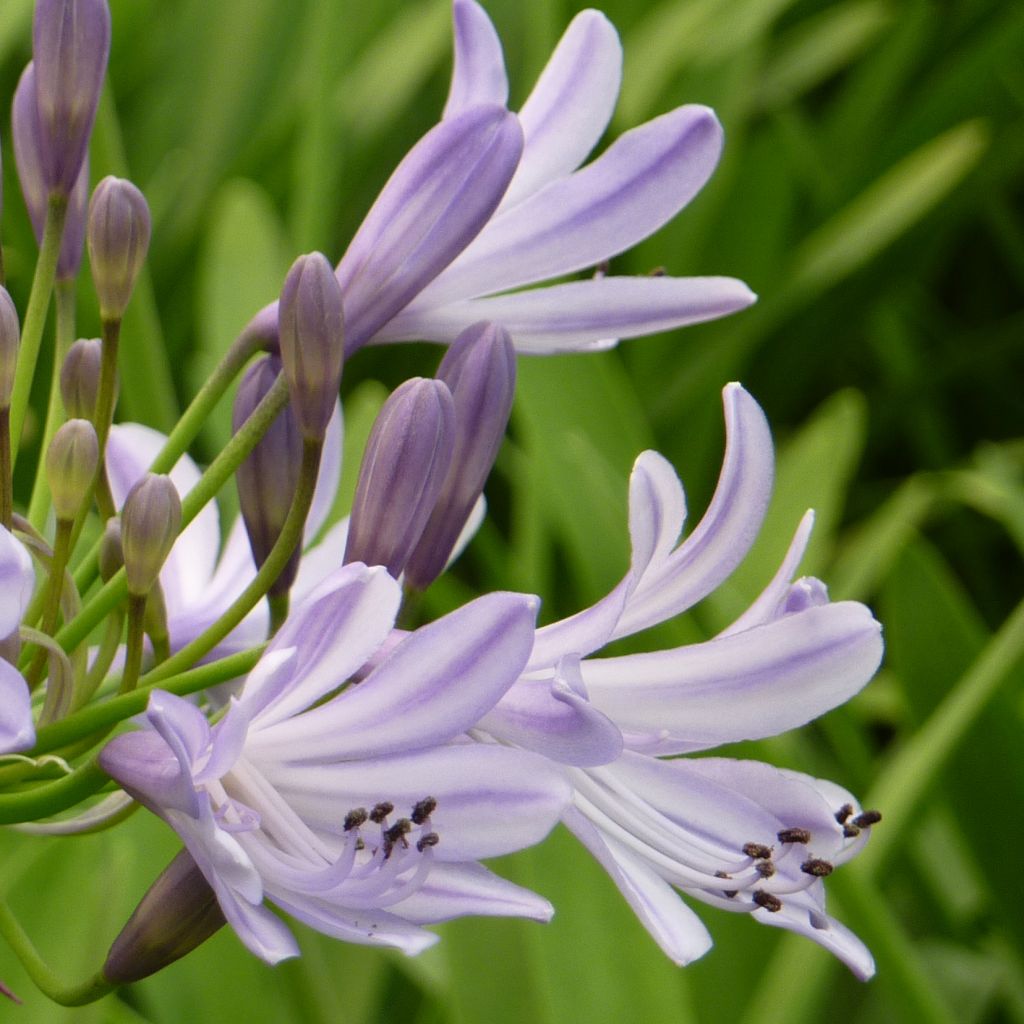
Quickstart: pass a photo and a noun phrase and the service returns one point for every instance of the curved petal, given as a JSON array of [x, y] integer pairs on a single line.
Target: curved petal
[[491, 800], [570, 106], [727, 530], [550, 717], [436, 684], [17, 581], [637, 185], [676, 928], [319, 561], [754, 684], [144, 765], [456, 890], [582, 633], [657, 511], [431, 208], [328, 478], [334, 631], [16, 729], [478, 69], [576, 316]]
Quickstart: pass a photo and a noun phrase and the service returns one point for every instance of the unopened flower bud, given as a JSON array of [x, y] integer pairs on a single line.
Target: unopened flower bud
[[70, 47], [268, 478], [405, 463], [150, 521], [29, 160], [178, 913], [111, 555], [80, 378], [10, 336], [71, 462], [310, 329], [480, 371], [118, 235]]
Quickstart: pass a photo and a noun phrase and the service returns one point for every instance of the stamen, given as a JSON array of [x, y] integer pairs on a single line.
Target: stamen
[[355, 818], [765, 868], [851, 831], [423, 809], [396, 834], [794, 835], [767, 901], [757, 851], [427, 840], [381, 811], [867, 818], [844, 813], [817, 867]]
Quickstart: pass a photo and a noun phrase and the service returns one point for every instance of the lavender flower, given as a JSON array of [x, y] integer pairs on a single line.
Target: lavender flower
[[353, 811], [737, 834], [17, 731], [451, 234]]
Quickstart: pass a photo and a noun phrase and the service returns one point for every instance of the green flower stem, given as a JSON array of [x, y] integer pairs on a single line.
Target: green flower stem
[[109, 646], [53, 797], [42, 976], [39, 504], [51, 604], [219, 471], [35, 316], [289, 538], [6, 470], [917, 766], [278, 611], [133, 651], [98, 717]]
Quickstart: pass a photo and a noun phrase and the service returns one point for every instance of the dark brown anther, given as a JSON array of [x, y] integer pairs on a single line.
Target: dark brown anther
[[355, 818], [757, 851], [794, 835], [817, 867], [767, 901], [851, 831], [602, 268], [722, 874], [427, 840], [867, 818], [765, 868], [844, 813], [657, 272], [423, 809], [399, 830], [730, 893], [381, 811]]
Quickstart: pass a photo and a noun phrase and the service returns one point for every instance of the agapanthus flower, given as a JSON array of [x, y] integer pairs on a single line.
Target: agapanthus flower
[[344, 796], [737, 834], [17, 731], [488, 202]]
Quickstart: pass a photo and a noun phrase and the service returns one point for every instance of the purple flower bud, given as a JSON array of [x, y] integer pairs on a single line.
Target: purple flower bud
[[311, 333], [268, 478], [10, 337], [177, 914], [150, 521], [29, 161], [80, 378], [70, 47], [405, 463], [480, 371], [71, 462], [118, 236]]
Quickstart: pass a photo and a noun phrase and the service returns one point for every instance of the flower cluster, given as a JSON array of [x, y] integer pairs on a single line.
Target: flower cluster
[[275, 701]]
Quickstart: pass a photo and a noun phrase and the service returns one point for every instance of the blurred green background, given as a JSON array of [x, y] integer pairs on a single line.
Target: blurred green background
[[871, 194]]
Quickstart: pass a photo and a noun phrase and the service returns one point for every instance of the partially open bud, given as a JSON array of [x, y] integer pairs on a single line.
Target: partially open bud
[[71, 462], [80, 378], [480, 371], [111, 555], [118, 235], [10, 337], [150, 521], [70, 47], [29, 160], [405, 463], [268, 478], [311, 333], [177, 914]]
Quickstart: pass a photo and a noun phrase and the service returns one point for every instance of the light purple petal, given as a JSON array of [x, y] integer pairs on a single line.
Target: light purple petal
[[578, 315], [334, 631], [637, 185], [439, 682], [16, 729], [550, 717], [146, 767], [676, 928], [432, 207], [458, 890], [491, 800], [727, 530], [328, 478], [17, 581], [321, 560], [657, 511], [570, 106], [478, 71], [754, 684]]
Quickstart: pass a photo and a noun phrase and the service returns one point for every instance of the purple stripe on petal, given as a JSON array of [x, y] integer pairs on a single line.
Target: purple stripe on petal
[[432, 207], [579, 315], [478, 71]]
